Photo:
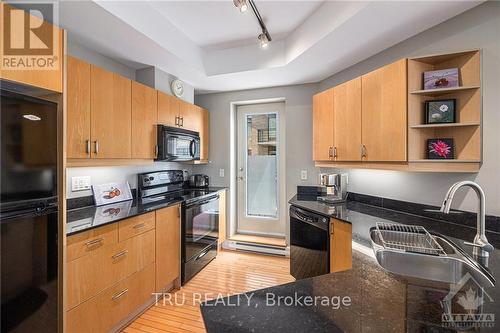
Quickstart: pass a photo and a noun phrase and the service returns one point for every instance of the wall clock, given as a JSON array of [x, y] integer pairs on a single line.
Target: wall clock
[[177, 87]]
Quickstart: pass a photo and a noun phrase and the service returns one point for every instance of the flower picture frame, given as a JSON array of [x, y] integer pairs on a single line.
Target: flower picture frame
[[440, 111], [440, 149]]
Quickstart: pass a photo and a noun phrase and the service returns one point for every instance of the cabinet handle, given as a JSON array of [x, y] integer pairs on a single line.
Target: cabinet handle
[[87, 147], [139, 226], [119, 295], [177, 121], [182, 121], [120, 254], [156, 150], [94, 242], [363, 151], [96, 151], [335, 152], [330, 152]]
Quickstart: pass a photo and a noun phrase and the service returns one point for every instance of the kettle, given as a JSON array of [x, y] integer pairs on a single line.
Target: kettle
[[198, 180]]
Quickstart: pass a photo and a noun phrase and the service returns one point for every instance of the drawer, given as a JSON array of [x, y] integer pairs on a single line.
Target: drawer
[[88, 241], [104, 311], [89, 275], [135, 226]]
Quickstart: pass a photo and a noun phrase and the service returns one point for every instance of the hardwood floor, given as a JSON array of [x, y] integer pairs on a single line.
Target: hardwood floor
[[230, 273]]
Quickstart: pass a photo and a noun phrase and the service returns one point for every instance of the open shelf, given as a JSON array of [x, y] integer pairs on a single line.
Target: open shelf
[[445, 125], [466, 132], [442, 91]]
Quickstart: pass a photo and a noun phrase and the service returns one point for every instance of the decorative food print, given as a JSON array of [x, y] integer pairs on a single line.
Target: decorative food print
[[440, 149], [443, 78], [111, 193]]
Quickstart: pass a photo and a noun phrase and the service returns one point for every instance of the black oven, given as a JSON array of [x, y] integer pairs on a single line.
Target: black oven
[[177, 144], [200, 232]]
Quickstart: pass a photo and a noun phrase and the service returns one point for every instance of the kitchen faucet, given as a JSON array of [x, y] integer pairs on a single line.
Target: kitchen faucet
[[481, 246]]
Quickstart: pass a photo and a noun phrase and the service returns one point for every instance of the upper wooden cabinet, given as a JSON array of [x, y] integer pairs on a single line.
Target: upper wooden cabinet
[[323, 126], [50, 79], [144, 120], [168, 109], [111, 107], [78, 108], [204, 135], [347, 121], [384, 113]]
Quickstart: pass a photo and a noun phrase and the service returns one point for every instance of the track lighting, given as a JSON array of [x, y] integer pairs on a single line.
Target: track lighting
[[264, 41], [241, 5]]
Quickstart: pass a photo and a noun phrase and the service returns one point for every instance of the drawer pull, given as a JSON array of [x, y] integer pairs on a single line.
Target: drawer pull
[[94, 242], [139, 226], [119, 295], [120, 254]]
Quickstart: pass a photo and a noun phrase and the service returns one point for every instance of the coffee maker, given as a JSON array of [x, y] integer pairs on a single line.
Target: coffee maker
[[334, 187]]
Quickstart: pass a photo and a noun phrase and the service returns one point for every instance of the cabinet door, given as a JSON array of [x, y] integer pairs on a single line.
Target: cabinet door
[[384, 113], [168, 246], [78, 108], [168, 109], [204, 135], [110, 106], [190, 116], [323, 126], [144, 119], [347, 121], [340, 245]]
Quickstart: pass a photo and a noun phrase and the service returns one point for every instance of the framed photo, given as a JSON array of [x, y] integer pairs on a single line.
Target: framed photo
[[443, 78], [111, 192], [440, 111], [440, 149]]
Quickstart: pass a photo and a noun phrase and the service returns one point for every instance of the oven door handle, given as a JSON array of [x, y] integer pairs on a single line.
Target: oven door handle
[[199, 203]]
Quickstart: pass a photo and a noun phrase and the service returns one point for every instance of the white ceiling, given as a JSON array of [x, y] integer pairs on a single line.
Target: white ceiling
[[213, 47]]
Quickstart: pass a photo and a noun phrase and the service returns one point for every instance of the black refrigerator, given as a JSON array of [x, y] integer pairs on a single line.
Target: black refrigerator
[[28, 212]]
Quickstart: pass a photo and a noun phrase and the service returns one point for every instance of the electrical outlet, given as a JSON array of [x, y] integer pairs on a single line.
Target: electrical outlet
[[80, 183], [303, 175], [221, 173]]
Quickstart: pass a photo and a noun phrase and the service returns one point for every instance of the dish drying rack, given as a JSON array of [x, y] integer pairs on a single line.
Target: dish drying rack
[[408, 238]]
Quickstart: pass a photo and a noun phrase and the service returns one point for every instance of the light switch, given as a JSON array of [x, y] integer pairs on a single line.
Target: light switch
[[303, 175], [221, 173], [80, 183]]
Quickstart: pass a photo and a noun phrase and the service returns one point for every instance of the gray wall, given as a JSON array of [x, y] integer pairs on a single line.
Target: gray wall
[[477, 28], [161, 80], [298, 121]]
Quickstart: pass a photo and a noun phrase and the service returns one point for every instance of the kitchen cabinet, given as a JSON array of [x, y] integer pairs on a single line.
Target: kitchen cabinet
[[168, 247], [50, 79], [144, 120], [111, 114], [168, 109], [384, 113], [340, 245], [90, 241], [78, 108], [323, 125], [347, 121]]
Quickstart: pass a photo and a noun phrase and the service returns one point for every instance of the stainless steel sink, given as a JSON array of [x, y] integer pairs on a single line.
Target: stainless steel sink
[[448, 265]]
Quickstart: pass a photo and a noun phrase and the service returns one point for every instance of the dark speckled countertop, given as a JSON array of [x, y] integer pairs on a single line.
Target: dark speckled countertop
[[90, 217], [380, 301]]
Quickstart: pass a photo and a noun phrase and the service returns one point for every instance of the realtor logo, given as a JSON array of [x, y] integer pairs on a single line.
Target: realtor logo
[[29, 38], [463, 307]]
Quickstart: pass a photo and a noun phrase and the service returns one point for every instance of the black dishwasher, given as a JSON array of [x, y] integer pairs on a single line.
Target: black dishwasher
[[309, 244]]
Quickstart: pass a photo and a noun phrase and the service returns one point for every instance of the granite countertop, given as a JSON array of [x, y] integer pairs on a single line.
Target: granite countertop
[[379, 301], [90, 217]]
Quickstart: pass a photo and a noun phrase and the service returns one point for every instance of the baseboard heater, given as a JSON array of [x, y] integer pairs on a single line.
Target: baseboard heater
[[256, 248]]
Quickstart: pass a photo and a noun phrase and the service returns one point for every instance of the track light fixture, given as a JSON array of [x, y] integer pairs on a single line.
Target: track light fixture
[[264, 37], [264, 42], [241, 5]]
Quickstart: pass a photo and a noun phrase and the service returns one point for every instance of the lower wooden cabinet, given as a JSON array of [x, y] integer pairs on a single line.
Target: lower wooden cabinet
[[90, 274], [168, 246], [340, 246], [110, 307]]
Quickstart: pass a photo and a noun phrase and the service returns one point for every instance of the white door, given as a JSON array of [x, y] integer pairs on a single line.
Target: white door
[[260, 169]]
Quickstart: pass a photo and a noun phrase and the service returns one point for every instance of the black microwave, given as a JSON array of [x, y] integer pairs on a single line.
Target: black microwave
[[177, 144]]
